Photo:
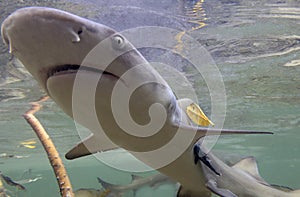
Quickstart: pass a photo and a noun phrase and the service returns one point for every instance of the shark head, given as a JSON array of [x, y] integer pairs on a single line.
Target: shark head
[[60, 49], [48, 41], [53, 44]]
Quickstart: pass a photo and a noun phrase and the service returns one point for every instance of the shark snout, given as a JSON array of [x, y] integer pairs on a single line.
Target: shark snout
[[5, 27], [3, 33], [46, 38]]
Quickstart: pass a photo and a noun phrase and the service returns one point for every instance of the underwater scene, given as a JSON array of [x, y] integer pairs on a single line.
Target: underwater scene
[[254, 47]]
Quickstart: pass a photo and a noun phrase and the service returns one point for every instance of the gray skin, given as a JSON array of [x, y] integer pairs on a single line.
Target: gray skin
[[136, 183], [239, 180], [88, 193], [48, 41]]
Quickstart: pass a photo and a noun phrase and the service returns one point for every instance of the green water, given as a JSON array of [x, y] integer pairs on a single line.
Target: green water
[[251, 42]]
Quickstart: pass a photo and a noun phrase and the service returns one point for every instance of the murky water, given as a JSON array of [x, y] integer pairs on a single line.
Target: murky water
[[256, 46]]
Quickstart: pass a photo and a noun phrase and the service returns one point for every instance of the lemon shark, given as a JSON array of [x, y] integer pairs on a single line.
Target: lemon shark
[[239, 180], [136, 183], [53, 45]]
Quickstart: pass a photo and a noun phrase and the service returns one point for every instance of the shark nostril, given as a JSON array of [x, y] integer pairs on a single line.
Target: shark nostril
[[79, 31], [77, 34]]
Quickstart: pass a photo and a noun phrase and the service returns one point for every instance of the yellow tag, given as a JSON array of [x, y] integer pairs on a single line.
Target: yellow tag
[[28, 142], [29, 146], [196, 114]]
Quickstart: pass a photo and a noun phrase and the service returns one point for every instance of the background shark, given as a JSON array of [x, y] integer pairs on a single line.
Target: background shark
[[239, 180]]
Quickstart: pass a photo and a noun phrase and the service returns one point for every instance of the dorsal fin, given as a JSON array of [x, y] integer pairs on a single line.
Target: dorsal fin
[[249, 165]]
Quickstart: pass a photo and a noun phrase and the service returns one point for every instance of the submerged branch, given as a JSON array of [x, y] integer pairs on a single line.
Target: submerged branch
[[53, 156]]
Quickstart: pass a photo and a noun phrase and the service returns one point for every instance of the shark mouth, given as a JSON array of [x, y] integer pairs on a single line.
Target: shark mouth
[[73, 68]]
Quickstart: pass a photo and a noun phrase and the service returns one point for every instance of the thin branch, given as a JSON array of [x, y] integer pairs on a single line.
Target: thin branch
[[53, 156]]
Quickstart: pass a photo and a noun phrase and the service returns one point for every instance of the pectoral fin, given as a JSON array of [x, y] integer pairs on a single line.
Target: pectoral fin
[[194, 114], [212, 186], [203, 131], [90, 145]]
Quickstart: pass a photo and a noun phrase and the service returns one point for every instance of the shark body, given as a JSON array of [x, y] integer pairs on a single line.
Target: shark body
[[239, 180], [136, 183], [53, 45]]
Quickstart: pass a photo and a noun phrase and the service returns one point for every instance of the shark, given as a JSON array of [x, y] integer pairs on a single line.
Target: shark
[[10, 182], [116, 190], [136, 183], [88, 193], [53, 46], [239, 180]]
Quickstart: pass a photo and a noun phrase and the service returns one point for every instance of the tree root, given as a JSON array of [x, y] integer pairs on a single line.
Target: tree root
[[53, 156]]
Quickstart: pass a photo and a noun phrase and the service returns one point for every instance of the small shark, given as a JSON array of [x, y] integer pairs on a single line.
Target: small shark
[[239, 180], [53, 45], [89, 193], [114, 190], [10, 182], [136, 183]]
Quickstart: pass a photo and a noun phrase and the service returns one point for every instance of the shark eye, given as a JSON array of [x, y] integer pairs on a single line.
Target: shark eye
[[118, 42]]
